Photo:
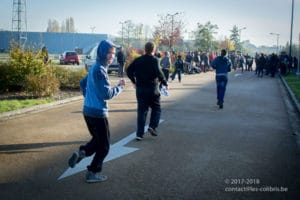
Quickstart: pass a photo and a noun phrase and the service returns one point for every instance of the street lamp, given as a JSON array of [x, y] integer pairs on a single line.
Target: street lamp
[[92, 29], [122, 23], [291, 33], [172, 27], [277, 35]]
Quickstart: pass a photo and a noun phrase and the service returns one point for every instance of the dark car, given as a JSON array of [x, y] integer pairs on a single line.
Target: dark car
[[91, 58], [69, 57]]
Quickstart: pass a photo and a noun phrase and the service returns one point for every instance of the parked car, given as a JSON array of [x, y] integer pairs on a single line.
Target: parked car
[[91, 58], [69, 57]]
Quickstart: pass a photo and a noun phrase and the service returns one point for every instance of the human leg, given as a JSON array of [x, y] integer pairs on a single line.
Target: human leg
[[99, 129], [155, 115], [179, 75], [221, 88], [141, 117]]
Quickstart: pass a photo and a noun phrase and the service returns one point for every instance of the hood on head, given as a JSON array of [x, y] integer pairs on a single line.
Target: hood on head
[[102, 51]]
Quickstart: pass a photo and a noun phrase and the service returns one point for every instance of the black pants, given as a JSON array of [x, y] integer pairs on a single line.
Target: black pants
[[100, 142], [166, 73], [146, 98]]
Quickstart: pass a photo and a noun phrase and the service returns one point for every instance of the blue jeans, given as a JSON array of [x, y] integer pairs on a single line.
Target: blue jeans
[[145, 100], [99, 144], [174, 74], [221, 87]]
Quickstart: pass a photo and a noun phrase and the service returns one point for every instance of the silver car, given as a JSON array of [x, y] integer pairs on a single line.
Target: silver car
[[91, 58]]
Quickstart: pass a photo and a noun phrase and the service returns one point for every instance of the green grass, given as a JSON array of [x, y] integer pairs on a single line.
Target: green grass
[[9, 105], [294, 82]]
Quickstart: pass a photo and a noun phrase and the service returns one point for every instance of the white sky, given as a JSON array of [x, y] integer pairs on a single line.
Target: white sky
[[260, 17]]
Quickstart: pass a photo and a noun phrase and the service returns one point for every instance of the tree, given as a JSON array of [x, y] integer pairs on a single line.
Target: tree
[[66, 26], [204, 36], [53, 26], [227, 44], [235, 37], [70, 25], [169, 30]]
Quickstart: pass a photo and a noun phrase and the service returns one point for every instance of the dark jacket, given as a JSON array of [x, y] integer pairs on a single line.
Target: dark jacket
[[222, 65], [145, 72]]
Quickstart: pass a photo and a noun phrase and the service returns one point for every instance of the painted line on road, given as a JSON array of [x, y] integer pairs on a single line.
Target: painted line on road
[[116, 150]]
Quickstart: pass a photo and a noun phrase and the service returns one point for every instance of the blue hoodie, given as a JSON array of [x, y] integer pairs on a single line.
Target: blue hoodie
[[96, 86], [222, 65]]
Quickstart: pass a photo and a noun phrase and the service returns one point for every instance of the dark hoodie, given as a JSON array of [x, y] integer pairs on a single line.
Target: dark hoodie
[[96, 86]]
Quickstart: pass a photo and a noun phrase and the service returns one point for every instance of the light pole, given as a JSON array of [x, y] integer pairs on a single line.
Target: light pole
[[298, 70], [291, 33], [277, 35], [172, 28], [240, 34], [122, 23], [92, 29]]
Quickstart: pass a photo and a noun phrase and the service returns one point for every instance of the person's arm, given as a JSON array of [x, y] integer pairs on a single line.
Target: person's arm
[[229, 65], [160, 75], [130, 72], [103, 85], [83, 84]]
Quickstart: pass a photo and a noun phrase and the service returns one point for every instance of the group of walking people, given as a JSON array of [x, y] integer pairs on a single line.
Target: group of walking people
[[147, 74]]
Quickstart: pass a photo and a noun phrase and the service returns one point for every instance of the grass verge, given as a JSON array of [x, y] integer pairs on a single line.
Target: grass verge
[[294, 82], [9, 105]]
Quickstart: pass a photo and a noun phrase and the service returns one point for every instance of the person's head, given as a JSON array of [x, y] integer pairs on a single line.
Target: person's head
[[167, 53], [106, 52], [223, 52], [149, 48]]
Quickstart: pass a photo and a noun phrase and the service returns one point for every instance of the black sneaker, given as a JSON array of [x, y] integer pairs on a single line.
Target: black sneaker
[[76, 157], [152, 131], [221, 106]]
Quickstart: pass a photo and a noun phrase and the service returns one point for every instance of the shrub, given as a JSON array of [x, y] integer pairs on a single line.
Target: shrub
[[69, 79], [24, 63], [5, 71], [132, 54], [26, 71], [44, 85]]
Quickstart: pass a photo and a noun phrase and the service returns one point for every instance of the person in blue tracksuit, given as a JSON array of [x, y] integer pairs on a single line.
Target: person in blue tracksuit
[[97, 90], [222, 65]]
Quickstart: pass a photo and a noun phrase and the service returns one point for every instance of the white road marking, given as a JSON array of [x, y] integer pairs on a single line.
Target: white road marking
[[116, 150]]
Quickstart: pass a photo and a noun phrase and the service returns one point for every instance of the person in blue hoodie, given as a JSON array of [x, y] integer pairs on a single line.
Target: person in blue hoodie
[[96, 89], [222, 65]]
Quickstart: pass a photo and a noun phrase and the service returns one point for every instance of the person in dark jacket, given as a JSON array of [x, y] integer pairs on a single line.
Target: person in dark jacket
[[121, 61], [222, 65], [178, 68], [97, 90], [146, 75]]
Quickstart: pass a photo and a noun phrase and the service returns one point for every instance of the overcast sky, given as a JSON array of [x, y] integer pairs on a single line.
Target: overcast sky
[[260, 17]]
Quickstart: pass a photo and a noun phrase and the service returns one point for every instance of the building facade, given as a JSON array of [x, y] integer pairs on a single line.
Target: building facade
[[55, 42]]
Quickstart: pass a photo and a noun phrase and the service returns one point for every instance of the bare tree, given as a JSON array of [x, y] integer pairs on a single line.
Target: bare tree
[[168, 32], [66, 26], [53, 26]]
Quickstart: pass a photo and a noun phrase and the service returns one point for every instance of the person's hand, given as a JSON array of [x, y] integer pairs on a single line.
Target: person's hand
[[122, 82]]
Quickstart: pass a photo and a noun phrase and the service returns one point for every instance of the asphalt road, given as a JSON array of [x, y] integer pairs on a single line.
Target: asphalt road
[[248, 150]]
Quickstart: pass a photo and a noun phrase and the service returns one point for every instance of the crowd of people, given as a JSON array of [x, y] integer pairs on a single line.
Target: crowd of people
[[148, 73]]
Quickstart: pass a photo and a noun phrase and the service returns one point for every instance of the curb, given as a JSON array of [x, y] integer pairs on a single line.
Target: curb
[[37, 108], [291, 94]]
